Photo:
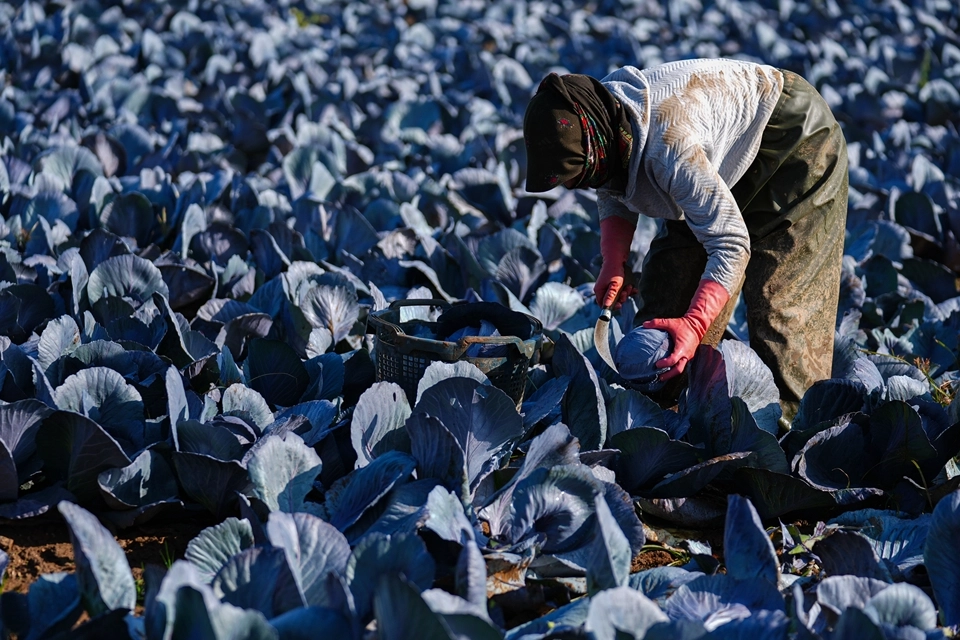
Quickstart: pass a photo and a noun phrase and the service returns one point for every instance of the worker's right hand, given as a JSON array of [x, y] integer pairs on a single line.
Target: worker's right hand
[[616, 235], [609, 289]]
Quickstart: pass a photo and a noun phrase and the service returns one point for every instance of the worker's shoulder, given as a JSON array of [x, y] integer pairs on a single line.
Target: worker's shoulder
[[679, 73], [697, 65], [626, 75]]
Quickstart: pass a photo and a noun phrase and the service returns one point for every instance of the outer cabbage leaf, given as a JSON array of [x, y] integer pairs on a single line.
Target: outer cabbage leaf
[[314, 550], [282, 471], [258, 578], [827, 400], [53, 603], [276, 372], [22, 308], [104, 576], [351, 496], [402, 613], [555, 447], [146, 481], [902, 605], [630, 409], [438, 454], [609, 564], [554, 303], [941, 557], [897, 541], [76, 449], [622, 611], [648, 454], [19, 423], [747, 550], [660, 583], [583, 406], [715, 600], [376, 556], [126, 276], [849, 553], [555, 503], [482, 418], [837, 593], [332, 305], [378, 421], [213, 546], [211, 482], [749, 379]]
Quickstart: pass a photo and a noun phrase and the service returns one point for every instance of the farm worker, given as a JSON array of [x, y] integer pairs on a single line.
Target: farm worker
[[746, 167]]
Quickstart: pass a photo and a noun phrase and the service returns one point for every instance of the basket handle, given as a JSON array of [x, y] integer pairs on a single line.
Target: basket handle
[[420, 302], [397, 304], [498, 341], [388, 326], [525, 348]]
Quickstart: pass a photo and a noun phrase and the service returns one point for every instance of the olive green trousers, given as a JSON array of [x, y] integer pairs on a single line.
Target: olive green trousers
[[793, 198]]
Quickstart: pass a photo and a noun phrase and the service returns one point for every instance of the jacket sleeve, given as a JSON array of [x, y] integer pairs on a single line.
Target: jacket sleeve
[[608, 205], [711, 212]]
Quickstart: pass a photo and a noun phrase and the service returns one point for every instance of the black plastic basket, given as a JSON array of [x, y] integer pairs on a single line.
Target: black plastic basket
[[402, 358]]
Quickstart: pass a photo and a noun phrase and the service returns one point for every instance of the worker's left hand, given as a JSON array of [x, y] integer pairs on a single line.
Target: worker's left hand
[[686, 336]]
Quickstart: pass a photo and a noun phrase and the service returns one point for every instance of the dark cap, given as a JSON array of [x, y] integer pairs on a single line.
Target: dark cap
[[553, 137]]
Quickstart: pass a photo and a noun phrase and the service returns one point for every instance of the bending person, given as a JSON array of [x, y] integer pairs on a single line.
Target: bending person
[[747, 168]]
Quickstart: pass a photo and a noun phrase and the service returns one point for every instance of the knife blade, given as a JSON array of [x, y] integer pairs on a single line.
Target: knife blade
[[601, 333]]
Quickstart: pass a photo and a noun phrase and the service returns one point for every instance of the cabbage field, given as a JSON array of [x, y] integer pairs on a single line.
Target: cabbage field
[[202, 203]]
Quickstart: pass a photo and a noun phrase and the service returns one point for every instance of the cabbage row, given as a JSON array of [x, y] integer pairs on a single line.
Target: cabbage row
[[203, 202]]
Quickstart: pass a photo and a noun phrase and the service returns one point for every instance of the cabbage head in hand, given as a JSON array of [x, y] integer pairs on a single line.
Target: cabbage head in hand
[[637, 354]]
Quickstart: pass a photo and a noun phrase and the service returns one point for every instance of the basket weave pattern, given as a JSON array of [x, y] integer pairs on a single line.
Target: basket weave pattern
[[402, 358]]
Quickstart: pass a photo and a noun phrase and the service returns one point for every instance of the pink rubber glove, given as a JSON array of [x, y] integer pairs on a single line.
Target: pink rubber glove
[[616, 236], [688, 331]]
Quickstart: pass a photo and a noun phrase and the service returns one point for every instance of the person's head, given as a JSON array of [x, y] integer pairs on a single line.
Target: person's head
[[553, 137], [569, 130]]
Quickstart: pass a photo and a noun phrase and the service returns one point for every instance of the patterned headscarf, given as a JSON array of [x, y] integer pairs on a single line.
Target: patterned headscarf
[[575, 128]]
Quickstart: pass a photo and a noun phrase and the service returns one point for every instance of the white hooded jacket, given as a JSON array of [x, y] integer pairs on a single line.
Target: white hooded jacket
[[697, 128]]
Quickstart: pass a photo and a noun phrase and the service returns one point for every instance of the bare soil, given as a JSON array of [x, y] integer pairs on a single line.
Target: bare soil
[[39, 549], [35, 550], [650, 559]]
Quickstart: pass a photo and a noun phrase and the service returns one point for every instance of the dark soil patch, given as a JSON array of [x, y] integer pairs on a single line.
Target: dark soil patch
[[650, 559], [536, 598], [35, 550]]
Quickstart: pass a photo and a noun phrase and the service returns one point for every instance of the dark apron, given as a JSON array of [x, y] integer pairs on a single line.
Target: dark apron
[[793, 198]]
